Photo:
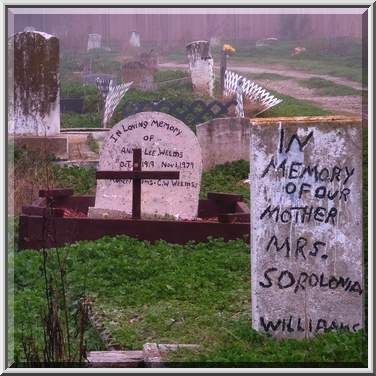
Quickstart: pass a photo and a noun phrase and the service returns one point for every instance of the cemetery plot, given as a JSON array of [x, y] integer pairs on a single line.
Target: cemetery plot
[[150, 167], [65, 221], [306, 228]]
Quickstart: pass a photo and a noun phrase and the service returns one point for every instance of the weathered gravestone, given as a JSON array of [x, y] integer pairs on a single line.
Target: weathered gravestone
[[167, 145], [94, 41], [201, 65], [141, 71], [134, 40], [36, 104], [306, 228]]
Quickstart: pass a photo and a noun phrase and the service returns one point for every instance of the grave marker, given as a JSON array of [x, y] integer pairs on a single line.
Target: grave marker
[[94, 41], [141, 71], [136, 176], [91, 78], [201, 65], [36, 102], [134, 40], [306, 228], [167, 145]]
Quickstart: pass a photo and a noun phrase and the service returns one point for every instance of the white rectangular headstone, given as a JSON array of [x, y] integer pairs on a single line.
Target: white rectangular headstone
[[94, 41], [167, 145], [306, 228], [36, 101]]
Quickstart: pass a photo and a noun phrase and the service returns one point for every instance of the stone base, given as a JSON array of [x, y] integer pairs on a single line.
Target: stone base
[[99, 213], [50, 145]]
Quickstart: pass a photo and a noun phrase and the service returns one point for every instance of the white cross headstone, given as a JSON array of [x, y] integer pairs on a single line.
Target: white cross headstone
[[306, 228], [167, 145]]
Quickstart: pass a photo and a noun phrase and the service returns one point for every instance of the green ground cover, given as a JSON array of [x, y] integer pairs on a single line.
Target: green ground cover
[[223, 178], [108, 62], [293, 107], [328, 88], [175, 95], [169, 74], [197, 293]]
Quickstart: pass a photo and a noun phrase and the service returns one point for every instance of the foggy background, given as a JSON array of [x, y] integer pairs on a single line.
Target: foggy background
[[168, 31]]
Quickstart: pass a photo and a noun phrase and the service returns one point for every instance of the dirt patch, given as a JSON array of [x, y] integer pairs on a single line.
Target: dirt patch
[[341, 105]]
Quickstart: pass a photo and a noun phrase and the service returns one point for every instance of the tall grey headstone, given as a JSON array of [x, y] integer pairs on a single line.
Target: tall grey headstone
[[36, 101], [306, 228], [94, 41], [201, 65], [167, 145]]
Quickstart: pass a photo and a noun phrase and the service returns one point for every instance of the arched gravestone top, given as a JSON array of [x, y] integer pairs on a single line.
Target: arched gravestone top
[[167, 145]]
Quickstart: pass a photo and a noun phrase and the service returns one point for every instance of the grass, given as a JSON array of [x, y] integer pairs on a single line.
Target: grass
[[328, 88], [73, 120], [166, 75], [227, 178], [340, 57], [223, 178], [197, 293], [81, 179], [92, 143], [294, 107], [102, 61], [176, 95]]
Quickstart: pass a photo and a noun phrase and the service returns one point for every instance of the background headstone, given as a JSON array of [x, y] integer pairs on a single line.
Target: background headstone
[[306, 228], [36, 102], [91, 78], [141, 71], [94, 41], [201, 65], [167, 145], [215, 42], [134, 40]]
